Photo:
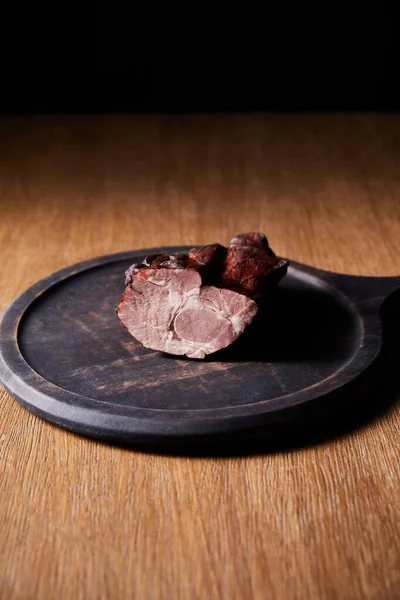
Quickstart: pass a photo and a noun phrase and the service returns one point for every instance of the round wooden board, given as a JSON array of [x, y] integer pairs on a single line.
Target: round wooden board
[[65, 356]]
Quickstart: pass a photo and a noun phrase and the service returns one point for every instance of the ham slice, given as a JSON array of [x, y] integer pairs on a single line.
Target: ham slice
[[171, 311]]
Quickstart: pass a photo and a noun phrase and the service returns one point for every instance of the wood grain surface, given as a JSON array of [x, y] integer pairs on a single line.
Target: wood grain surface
[[83, 520]]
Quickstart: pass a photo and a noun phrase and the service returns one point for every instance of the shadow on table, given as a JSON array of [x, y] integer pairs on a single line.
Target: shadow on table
[[349, 412]]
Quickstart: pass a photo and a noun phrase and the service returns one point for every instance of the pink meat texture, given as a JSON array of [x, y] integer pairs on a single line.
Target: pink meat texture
[[199, 302]]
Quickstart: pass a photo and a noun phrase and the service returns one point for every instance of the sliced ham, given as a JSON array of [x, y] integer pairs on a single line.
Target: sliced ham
[[170, 310]]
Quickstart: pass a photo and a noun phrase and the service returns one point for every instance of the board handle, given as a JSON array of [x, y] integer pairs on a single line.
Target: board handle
[[363, 290], [358, 288], [386, 286], [393, 284]]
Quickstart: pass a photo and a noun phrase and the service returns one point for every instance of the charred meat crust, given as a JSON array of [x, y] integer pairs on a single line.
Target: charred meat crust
[[248, 266]]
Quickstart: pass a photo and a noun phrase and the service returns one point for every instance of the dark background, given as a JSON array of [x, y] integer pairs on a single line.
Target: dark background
[[330, 59]]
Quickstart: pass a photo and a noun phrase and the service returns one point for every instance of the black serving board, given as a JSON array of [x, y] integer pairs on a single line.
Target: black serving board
[[65, 356]]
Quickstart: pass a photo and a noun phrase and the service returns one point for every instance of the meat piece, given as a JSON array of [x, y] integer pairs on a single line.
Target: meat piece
[[157, 261], [170, 310], [208, 261], [198, 302], [251, 267]]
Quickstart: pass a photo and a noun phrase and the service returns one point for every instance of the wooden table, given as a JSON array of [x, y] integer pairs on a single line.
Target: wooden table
[[82, 520]]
